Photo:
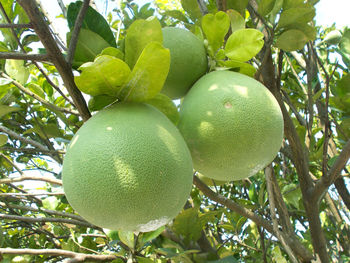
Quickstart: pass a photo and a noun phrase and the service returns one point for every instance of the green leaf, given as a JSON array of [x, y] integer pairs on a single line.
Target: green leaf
[[28, 39], [342, 87], [106, 75], [292, 194], [333, 38], [297, 16], [287, 4], [50, 203], [112, 51], [128, 238], [148, 236], [4, 109], [192, 8], [144, 260], [244, 44], [345, 42], [188, 225], [166, 106], [50, 130], [215, 27], [292, 40], [236, 19], [266, 6], [16, 70], [138, 36], [277, 255], [93, 21], [177, 14], [149, 74], [3, 139], [244, 68], [238, 5], [88, 47], [35, 88], [98, 102], [229, 259]]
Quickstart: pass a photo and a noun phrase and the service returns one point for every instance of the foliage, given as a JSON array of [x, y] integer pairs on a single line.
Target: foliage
[[304, 66]]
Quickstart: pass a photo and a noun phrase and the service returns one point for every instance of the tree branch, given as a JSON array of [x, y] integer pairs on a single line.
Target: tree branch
[[54, 52], [270, 191], [24, 56], [328, 179], [76, 30], [38, 98], [343, 191], [29, 177], [78, 257], [16, 26]]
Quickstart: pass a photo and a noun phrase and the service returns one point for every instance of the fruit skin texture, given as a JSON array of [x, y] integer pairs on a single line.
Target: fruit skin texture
[[128, 168], [232, 124], [188, 61]]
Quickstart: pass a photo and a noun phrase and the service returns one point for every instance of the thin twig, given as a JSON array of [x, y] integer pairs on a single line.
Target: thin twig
[[30, 150], [29, 177], [24, 56], [78, 257], [31, 194], [38, 98], [270, 191], [16, 26], [77, 26]]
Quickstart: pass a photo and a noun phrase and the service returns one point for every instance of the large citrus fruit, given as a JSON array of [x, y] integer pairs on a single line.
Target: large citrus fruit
[[128, 168], [232, 124], [188, 61]]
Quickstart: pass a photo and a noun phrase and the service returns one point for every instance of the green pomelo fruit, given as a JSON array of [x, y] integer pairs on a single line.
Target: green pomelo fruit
[[209, 181], [232, 124], [128, 168], [188, 61]]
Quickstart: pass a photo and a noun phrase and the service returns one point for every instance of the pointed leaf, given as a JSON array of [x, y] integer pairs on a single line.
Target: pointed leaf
[[166, 106], [244, 44], [106, 75], [215, 27], [244, 68], [88, 47], [265, 7], [296, 16], [3, 139], [139, 34], [192, 8], [128, 238], [93, 21], [345, 42], [112, 51], [149, 74], [236, 19], [16, 70], [148, 236], [292, 40], [4, 109]]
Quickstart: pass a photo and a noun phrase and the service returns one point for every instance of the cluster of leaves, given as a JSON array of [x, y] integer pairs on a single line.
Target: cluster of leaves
[[122, 59]]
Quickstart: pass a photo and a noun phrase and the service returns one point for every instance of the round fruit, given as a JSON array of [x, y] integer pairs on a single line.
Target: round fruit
[[232, 124], [188, 61], [128, 168]]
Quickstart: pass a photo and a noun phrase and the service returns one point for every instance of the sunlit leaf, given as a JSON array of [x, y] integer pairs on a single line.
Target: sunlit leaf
[[345, 42], [106, 75], [127, 237], [244, 44], [138, 36], [3, 139], [236, 19], [149, 74], [17, 70], [4, 109], [192, 8], [296, 16], [242, 67], [112, 51], [215, 27]]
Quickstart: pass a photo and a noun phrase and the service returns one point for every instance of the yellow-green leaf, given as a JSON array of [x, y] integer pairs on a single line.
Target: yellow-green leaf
[[215, 27], [4, 109], [106, 75], [138, 36], [166, 106], [17, 70], [3, 139], [244, 44], [236, 19], [298, 16], [149, 74]]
